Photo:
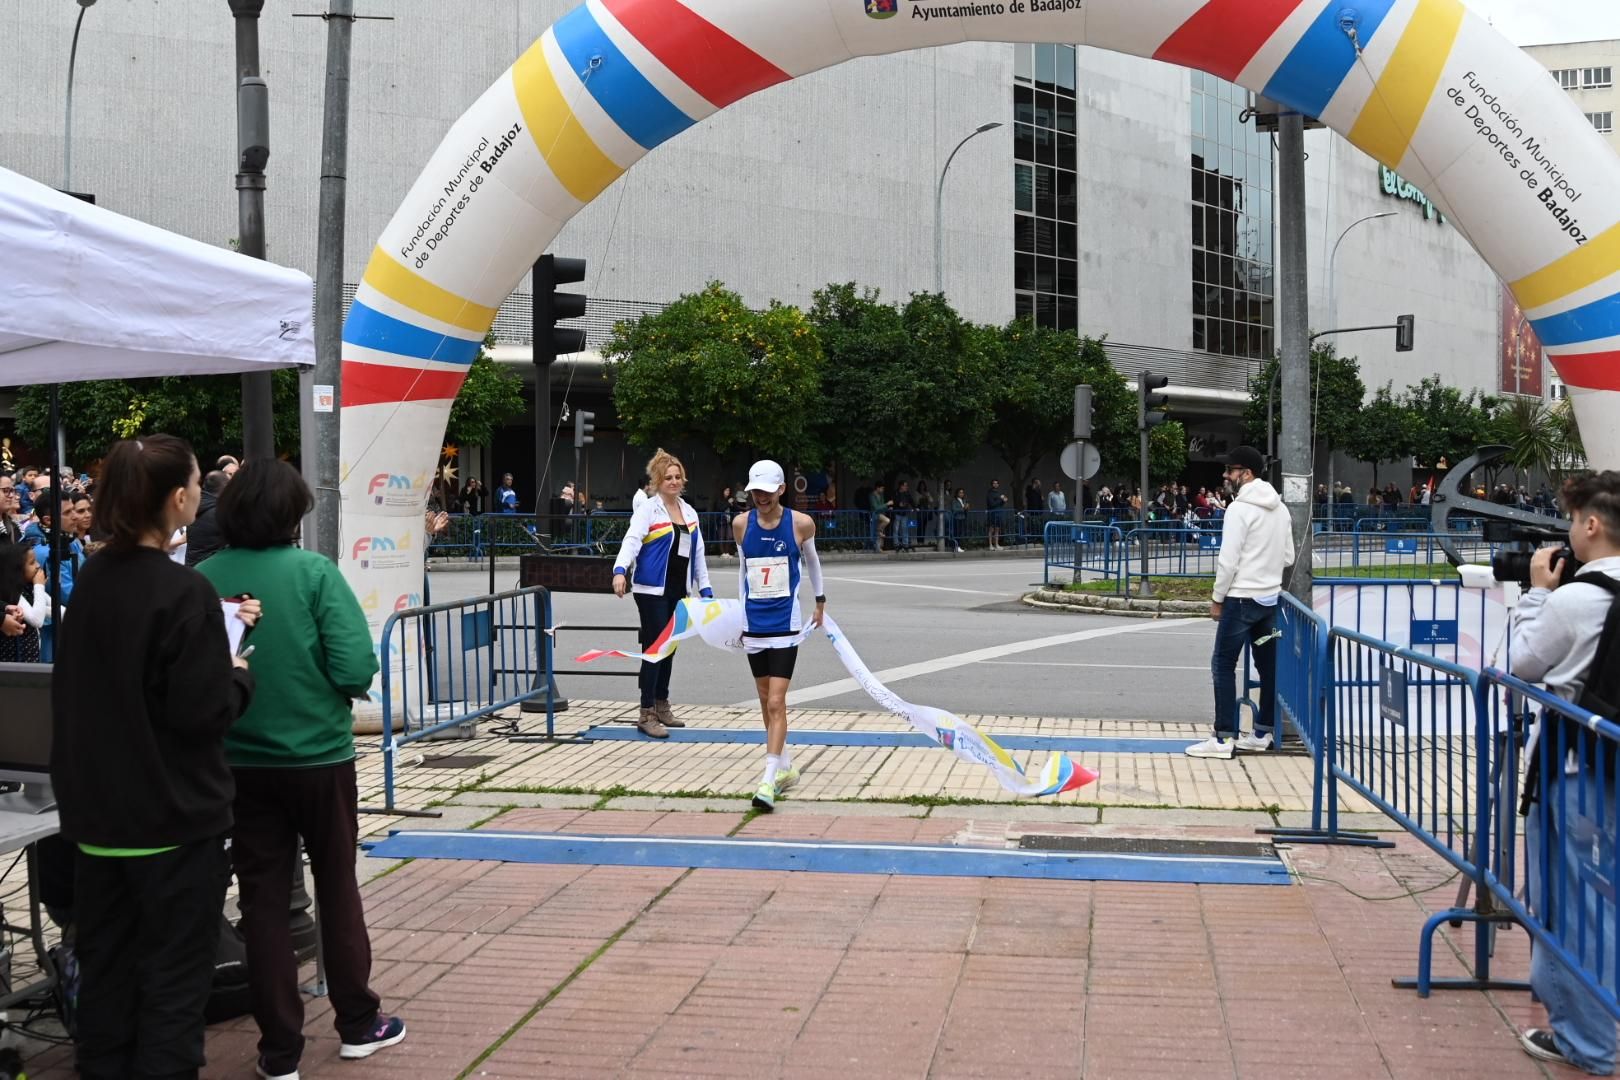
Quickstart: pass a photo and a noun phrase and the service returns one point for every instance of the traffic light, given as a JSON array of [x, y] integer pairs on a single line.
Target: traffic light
[[550, 306], [584, 425], [1404, 325], [1150, 406], [1082, 412]]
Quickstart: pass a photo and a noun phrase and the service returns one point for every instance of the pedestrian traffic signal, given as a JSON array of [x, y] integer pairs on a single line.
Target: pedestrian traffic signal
[[550, 306], [1404, 325], [1150, 406], [584, 425], [1082, 412]]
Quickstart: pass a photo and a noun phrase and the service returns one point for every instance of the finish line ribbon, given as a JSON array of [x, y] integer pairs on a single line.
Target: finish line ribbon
[[720, 623]]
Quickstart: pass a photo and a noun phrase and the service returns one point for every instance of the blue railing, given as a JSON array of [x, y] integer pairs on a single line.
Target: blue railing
[[1083, 549], [1571, 858], [445, 665]]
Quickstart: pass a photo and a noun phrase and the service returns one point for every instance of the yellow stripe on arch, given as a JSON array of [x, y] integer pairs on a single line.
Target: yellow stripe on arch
[[575, 159], [1586, 265], [1390, 117], [404, 286]]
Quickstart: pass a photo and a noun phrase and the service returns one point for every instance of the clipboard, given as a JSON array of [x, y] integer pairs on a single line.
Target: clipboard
[[235, 629]]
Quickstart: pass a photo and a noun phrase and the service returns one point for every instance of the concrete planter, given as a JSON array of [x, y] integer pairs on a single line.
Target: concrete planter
[[1056, 599]]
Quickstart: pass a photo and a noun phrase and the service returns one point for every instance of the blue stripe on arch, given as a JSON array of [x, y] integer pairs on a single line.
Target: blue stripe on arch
[[1323, 56], [636, 105], [1599, 319], [371, 329]]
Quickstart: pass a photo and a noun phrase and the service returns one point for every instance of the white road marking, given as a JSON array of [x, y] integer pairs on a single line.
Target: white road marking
[[946, 663], [1125, 667], [908, 585]]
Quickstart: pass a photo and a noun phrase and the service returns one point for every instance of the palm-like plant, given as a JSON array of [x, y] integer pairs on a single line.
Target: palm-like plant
[[1541, 437]]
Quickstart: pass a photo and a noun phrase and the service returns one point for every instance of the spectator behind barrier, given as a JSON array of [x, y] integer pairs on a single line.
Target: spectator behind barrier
[[203, 538], [292, 754], [1555, 638]]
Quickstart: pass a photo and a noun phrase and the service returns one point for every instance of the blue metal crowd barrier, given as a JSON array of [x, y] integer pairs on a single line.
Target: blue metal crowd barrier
[[1081, 549], [444, 665], [1439, 618], [1565, 895], [1400, 553]]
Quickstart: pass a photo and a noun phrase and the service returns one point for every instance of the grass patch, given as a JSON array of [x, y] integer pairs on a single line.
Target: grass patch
[[1400, 572], [1164, 588]]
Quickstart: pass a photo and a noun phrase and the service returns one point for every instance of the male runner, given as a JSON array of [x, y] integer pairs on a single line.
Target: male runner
[[773, 541]]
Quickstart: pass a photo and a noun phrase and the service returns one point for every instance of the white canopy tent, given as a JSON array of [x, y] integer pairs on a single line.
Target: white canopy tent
[[89, 294]]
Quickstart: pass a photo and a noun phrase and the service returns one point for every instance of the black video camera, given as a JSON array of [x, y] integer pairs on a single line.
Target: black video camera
[[1515, 546]]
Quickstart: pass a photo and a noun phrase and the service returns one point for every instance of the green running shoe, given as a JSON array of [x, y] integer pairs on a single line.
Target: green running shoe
[[765, 796], [786, 778]]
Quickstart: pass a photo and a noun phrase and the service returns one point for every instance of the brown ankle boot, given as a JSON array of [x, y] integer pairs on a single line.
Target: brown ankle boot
[[650, 726], [666, 715]]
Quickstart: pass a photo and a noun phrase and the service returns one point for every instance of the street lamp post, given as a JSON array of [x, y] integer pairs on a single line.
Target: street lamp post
[[67, 121], [939, 208], [1332, 282]]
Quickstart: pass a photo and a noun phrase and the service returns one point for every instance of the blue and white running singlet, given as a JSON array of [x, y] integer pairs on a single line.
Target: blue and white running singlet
[[770, 582]]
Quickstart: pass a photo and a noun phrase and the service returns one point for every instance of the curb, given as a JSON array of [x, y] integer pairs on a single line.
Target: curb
[[1120, 606]]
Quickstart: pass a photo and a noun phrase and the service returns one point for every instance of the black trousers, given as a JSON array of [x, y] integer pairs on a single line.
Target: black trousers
[[147, 930], [274, 807], [655, 612]]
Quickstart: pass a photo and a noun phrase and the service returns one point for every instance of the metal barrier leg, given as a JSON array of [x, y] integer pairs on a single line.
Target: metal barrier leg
[[1483, 922]]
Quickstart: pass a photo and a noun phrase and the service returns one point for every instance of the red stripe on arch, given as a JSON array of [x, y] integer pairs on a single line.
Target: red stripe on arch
[[379, 384], [1223, 36], [699, 53], [1589, 371]]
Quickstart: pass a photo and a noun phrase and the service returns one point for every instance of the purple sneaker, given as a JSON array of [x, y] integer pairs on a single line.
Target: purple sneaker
[[387, 1031]]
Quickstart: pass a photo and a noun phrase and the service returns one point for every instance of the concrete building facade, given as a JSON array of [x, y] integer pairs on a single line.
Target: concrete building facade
[[1120, 196]]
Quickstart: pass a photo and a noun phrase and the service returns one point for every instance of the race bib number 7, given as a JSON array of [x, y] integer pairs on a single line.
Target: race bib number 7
[[768, 578]]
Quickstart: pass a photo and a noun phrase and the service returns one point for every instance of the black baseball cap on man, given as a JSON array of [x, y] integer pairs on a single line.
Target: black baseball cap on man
[[1246, 457]]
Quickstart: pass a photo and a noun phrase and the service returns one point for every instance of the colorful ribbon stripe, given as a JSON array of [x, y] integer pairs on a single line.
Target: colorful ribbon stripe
[[720, 623]]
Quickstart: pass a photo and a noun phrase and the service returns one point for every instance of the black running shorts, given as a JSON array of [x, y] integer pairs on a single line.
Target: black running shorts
[[773, 663]]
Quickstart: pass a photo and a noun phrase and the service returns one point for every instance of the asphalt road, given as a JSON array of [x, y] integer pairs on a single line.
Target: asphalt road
[[944, 632]]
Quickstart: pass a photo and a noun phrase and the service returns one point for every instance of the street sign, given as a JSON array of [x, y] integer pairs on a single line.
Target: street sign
[[1080, 461]]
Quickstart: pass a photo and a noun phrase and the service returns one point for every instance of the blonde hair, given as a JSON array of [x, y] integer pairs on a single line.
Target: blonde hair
[[659, 464]]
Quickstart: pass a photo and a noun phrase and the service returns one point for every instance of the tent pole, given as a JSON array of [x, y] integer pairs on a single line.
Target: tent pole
[[53, 500]]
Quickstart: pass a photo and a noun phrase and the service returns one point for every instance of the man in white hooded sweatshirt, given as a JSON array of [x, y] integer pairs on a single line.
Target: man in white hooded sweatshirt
[[1257, 542]]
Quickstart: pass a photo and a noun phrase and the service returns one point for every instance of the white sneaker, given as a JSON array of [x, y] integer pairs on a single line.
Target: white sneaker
[[1254, 742], [1214, 747]]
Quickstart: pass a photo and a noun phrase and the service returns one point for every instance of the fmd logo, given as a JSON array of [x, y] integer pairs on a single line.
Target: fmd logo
[[392, 489], [407, 600], [382, 552], [882, 9]]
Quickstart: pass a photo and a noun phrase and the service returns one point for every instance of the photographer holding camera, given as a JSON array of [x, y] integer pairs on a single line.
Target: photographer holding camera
[[1557, 630]]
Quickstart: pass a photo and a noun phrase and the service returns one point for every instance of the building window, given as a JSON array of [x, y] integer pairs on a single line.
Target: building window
[[1232, 236], [1597, 78], [1045, 192], [1557, 391], [1567, 78], [1603, 121]]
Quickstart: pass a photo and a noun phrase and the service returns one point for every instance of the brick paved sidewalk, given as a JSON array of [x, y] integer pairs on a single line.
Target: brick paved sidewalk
[[567, 971]]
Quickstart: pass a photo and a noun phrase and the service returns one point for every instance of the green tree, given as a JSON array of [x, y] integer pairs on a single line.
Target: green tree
[[489, 397], [1445, 422], [903, 389], [709, 369], [1167, 453], [205, 410], [1035, 372], [1530, 430], [1381, 432], [1336, 395]]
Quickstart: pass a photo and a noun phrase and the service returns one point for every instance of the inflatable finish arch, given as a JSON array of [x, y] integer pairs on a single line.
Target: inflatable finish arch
[[1424, 86]]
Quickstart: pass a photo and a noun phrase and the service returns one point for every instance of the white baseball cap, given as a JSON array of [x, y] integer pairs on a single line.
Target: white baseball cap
[[765, 476]]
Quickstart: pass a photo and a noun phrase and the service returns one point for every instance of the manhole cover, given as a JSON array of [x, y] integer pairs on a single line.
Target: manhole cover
[[456, 761], [1145, 845]]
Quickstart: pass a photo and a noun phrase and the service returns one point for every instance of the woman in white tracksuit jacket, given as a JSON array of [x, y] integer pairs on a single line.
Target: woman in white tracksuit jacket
[[661, 559]]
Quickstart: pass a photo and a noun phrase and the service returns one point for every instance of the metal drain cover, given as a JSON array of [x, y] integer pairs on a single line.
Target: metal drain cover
[[456, 761], [1145, 845]]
